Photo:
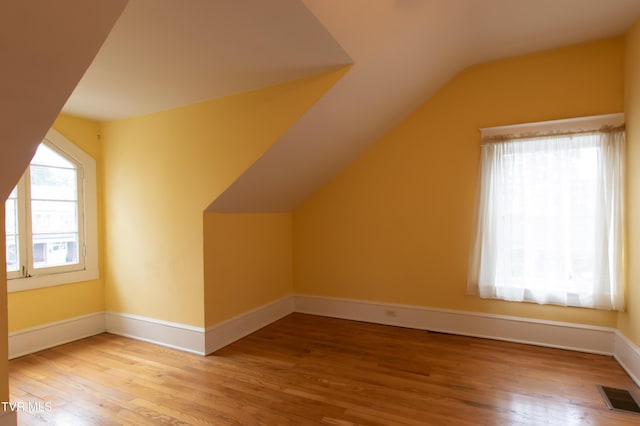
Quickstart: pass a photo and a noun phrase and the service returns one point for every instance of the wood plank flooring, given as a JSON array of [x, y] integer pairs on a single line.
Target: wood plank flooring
[[306, 369]]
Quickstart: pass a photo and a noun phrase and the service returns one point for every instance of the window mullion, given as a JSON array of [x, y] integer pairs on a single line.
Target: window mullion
[[16, 235], [82, 249], [22, 226], [26, 239]]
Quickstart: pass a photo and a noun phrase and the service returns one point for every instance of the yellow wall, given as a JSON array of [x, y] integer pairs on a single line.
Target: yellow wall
[[162, 170], [395, 225], [247, 262], [41, 306], [629, 321]]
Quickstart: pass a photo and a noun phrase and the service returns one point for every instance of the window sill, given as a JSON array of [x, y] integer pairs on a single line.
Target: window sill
[[42, 281]]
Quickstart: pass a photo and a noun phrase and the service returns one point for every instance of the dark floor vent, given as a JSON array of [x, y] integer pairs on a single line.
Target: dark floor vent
[[619, 400]]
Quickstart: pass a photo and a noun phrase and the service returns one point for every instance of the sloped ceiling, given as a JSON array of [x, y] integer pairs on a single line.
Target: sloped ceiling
[[167, 53], [45, 48]]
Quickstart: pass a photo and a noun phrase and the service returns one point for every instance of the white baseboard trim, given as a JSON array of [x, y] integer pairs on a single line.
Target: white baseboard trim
[[165, 333], [187, 338], [8, 418], [561, 335], [599, 340], [628, 356], [227, 332], [34, 339]]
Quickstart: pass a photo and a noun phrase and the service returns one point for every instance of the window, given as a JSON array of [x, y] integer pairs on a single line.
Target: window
[[549, 214], [51, 230]]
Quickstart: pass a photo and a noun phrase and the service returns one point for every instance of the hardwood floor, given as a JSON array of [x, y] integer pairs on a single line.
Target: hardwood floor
[[312, 370]]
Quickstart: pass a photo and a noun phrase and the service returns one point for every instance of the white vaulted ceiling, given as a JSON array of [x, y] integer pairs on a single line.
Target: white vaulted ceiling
[[167, 53]]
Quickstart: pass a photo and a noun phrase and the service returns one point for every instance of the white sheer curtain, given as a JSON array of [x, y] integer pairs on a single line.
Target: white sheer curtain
[[549, 217]]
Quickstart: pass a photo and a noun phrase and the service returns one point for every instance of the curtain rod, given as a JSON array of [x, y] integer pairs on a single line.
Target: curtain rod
[[565, 126]]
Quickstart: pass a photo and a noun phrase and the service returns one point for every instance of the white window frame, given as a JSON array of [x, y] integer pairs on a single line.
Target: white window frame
[[87, 210], [514, 132]]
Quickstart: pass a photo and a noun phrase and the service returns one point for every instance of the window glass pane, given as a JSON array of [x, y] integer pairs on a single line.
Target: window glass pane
[[11, 216], [49, 217], [51, 183], [13, 261], [54, 209], [11, 232], [549, 203], [55, 250], [46, 156]]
